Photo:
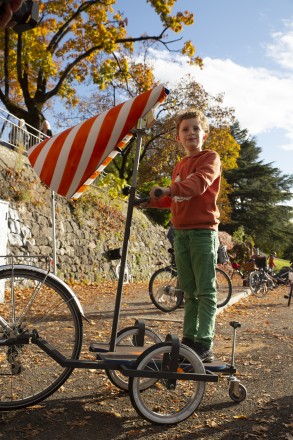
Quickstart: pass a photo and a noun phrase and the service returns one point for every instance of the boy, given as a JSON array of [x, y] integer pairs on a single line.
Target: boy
[[192, 198]]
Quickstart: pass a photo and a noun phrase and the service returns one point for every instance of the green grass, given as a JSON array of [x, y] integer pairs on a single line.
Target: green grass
[[280, 263]]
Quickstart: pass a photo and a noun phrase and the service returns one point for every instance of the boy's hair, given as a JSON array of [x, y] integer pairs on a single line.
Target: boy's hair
[[193, 114]]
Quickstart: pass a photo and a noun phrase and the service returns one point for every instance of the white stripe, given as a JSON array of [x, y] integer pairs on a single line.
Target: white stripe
[[31, 149], [62, 159], [153, 99], [86, 153], [118, 126]]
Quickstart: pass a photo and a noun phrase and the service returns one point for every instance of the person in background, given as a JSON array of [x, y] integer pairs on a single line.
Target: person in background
[[19, 136], [192, 198], [271, 261], [46, 128]]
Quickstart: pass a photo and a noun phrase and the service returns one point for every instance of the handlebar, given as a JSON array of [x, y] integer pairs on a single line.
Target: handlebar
[[139, 201], [158, 193]]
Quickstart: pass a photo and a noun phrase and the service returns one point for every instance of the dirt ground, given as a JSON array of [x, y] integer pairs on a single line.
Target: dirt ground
[[89, 407]]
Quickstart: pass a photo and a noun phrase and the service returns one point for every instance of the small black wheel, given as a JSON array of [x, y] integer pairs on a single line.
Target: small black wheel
[[127, 336], [224, 288], [164, 289], [237, 393]]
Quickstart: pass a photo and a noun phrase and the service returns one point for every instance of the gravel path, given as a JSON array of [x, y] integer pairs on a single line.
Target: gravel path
[[89, 407]]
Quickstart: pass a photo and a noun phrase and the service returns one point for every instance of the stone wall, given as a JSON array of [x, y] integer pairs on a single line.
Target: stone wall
[[81, 241]]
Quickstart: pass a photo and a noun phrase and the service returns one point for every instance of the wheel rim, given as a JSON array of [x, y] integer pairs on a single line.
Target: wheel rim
[[165, 292], [27, 374], [223, 287], [159, 404]]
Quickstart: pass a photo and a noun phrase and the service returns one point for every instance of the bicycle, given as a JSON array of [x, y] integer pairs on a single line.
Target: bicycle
[[166, 294], [240, 273], [260, 282], [115, 254], [283, 276]]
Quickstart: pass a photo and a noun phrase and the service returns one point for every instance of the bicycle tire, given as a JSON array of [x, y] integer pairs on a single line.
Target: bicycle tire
[[127, 277], [35, 300], [161, 404], [224, 288], [290, 295], [237, 279], [164, 291], [258, 284], [126, 336]]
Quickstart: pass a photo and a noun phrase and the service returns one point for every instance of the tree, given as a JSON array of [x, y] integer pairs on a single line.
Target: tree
[[258, 197], [76, 42], [160, 150]]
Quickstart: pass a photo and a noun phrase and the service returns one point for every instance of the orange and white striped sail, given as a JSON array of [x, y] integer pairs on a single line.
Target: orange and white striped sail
[[70, 161]]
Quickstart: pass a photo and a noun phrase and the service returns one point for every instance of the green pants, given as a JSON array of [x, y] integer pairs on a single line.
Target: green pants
[[196, 257]]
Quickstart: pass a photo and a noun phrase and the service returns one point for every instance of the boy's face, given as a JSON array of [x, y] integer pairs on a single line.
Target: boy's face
[[191, 136]]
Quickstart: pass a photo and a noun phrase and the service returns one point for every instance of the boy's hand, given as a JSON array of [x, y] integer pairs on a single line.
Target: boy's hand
[[142, 203], [159, 191]]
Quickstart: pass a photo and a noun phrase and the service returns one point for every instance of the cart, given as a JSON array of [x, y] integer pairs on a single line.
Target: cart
[[41, 339]]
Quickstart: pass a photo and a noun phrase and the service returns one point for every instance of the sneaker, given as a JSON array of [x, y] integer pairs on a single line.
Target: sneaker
[[205, 354]]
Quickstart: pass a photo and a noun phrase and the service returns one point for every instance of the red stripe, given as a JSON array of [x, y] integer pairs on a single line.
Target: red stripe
[[101, 142], [74, 156], [51, 159], [33, 156], [135, 112]]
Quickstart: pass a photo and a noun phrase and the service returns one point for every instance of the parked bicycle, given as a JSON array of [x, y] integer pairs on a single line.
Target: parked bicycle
[[283, 276], [166, 294], [260, 281], [240, 273], [115, 254]]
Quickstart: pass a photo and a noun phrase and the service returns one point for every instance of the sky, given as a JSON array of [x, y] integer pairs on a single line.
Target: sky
[[247, 50]]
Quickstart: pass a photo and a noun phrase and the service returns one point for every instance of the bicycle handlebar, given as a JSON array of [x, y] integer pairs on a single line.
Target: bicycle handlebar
[[139, 201], [158, 193]]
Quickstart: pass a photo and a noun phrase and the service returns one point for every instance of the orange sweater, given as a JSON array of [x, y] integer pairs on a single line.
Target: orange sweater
[[194, 191]]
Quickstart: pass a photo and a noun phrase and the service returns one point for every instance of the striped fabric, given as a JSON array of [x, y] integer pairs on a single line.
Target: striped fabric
[[70, 161]]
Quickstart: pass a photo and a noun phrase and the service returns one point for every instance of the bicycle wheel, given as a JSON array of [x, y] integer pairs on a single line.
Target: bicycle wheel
[[258, 284], [164, 291], [127, 277], [162, 403], [290, 294], [35, 300], [224, 288], [127, 336], [236, 279]]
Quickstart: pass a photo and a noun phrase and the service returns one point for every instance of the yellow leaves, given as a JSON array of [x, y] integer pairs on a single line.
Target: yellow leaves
[[188, 49], [76, 40], [221, 140]]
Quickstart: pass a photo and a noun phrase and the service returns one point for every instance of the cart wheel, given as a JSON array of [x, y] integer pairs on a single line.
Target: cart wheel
[[238, 394], [167, 402], [127, 336]]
